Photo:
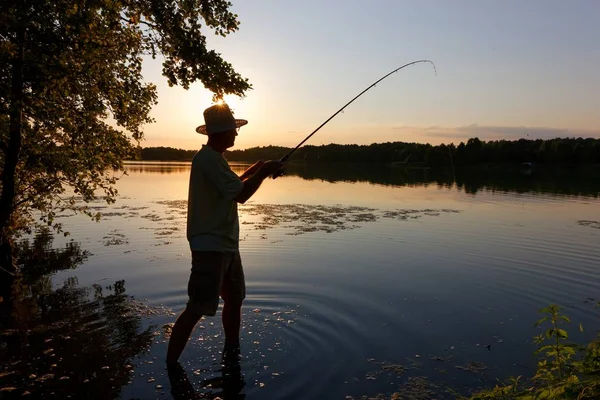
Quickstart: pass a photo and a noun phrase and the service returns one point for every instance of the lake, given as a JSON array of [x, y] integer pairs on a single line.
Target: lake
[[361, 280]]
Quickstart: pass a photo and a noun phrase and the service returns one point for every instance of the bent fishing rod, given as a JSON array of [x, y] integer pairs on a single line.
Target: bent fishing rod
[[284, 158]]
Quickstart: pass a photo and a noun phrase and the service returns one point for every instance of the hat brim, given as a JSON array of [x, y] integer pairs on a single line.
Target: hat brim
[[238, 123]]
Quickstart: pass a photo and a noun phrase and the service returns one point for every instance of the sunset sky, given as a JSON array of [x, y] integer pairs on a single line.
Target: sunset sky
[[506, 69]]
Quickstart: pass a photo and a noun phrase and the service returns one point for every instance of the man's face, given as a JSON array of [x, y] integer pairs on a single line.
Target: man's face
[[229, 137]]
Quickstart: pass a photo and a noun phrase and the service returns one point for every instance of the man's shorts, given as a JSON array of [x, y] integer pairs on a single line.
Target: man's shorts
[[213, 274]]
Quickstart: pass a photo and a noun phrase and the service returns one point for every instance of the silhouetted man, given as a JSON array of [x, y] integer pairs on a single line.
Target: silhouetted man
[[213, 230]]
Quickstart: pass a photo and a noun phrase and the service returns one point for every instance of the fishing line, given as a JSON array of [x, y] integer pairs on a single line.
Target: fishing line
[[284, 158]]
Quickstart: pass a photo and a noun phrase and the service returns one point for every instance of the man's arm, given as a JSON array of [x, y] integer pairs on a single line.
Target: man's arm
[[252, 184], [252, 170]]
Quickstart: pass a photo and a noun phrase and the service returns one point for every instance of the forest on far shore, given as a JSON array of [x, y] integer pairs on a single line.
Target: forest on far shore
[[568, 151]]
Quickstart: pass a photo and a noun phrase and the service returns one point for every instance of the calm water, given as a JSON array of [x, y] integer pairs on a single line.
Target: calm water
[[359, 279]]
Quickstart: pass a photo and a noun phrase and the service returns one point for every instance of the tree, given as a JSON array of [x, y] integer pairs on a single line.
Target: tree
[[73, 99]]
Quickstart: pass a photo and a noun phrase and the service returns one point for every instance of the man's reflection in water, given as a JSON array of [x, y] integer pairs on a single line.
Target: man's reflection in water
[[228, 386]]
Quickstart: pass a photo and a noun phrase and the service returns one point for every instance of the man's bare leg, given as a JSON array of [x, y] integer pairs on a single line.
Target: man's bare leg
[[181, 388], [181, 333], [232, 319]]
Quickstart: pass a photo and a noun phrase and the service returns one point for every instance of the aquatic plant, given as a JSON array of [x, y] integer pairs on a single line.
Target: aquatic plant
[[564, 371]]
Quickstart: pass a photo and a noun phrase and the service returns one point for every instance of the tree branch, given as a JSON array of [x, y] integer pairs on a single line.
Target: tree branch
[[139, 22]]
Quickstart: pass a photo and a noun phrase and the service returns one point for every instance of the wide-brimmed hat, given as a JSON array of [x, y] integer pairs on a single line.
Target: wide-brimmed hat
[[219, 118]]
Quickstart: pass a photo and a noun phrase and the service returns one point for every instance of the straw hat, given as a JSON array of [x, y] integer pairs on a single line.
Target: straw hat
[[219, 118]]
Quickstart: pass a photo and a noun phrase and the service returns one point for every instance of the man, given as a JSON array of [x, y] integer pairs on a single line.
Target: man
[[213, 230]]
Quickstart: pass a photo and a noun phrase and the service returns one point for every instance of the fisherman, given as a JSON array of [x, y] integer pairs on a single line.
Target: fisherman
[[213, 230]]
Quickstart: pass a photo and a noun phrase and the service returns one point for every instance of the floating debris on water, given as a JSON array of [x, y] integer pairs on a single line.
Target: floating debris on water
[[473, 366], [386, 367], [152, 217], [440, 359], [46, 377], [394, 368], [299, 218], [415, 214], [165, 231], [141, 308], [415, 388], [130, 214], [303, 218], [177, 204], [588, 223], [114, 238]]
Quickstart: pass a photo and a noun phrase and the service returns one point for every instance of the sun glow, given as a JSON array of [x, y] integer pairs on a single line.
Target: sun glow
[[232, 101]]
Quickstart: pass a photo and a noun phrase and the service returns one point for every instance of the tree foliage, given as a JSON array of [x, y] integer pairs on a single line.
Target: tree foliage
[[72, 96], [166, 154], [475, 151]]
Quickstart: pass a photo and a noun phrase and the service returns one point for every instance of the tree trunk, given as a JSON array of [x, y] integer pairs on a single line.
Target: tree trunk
[[7, 267], [8, 272]]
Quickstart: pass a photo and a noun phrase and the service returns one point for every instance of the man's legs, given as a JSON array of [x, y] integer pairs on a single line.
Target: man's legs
[[233, 293], [211, 272], [181, 333], [232, 318], [181, 388]]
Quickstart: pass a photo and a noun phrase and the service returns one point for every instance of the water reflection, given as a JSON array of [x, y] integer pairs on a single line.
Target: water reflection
[[38, 260], [157, 167], [228, 386], [555, 180], [68, 341], [565, 181]]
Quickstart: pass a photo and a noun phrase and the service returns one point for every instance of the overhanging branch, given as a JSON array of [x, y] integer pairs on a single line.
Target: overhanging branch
[[139, 22]]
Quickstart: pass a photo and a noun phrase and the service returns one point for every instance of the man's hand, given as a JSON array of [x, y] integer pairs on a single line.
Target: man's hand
[[273, 168], [269, 168]]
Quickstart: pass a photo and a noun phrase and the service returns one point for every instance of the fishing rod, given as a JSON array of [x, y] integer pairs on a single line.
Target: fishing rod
[[284, 158]]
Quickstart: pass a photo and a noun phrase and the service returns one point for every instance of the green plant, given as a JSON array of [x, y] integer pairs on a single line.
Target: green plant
[[565, 370], [557, 363], [74, 101]]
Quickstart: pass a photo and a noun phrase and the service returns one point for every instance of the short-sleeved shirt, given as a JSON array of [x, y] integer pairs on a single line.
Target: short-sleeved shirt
[[212, 219]]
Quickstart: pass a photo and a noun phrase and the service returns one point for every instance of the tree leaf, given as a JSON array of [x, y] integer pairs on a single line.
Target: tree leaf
[[86, 100]]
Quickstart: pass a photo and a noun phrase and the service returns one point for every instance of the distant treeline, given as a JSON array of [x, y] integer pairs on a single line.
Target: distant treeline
[[552, 151], [165, 154]]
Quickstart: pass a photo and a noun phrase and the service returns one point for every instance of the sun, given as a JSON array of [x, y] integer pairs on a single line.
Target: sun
[[232, 101]]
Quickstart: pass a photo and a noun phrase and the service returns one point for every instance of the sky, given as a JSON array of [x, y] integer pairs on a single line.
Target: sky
[[505, 70]]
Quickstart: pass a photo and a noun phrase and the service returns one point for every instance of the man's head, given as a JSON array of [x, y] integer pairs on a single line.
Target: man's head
[[223, 140], [220, 126]]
